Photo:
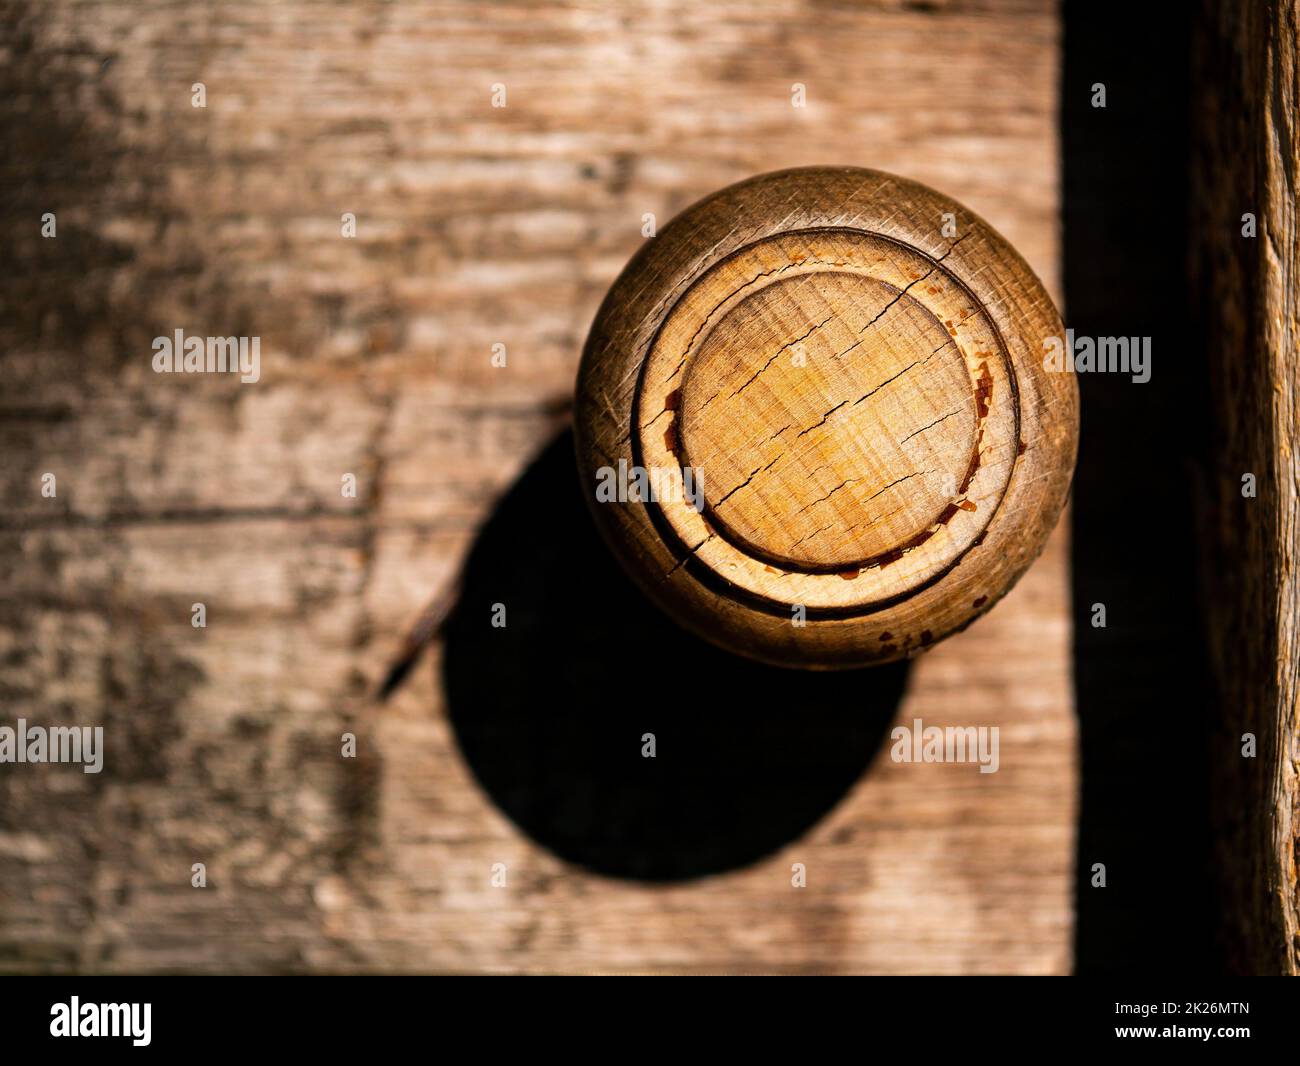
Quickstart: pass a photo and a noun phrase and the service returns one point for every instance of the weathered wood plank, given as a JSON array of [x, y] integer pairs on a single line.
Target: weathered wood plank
[[475, 225], [1248, 151]]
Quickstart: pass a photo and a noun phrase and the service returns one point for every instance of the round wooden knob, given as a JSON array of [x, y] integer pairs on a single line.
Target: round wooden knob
[[815, 421]]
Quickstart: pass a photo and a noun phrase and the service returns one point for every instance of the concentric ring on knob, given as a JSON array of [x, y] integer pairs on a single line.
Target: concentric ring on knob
[[847, 410]]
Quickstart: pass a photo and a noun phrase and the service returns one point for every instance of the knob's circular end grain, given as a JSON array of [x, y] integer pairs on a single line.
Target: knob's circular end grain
[[814, 422]]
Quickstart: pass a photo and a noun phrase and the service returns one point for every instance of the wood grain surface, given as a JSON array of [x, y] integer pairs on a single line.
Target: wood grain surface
[[1246, 164], [475, 226]]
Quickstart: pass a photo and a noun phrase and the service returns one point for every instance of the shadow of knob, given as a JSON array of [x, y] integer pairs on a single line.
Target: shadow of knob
[[555, 711]]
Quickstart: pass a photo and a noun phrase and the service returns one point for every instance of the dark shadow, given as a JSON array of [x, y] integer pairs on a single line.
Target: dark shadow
[[550, 711], [1142, 682], [63, 153]]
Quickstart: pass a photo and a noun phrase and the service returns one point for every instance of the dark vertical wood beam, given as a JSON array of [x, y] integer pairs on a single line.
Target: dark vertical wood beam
[[1245, 163]]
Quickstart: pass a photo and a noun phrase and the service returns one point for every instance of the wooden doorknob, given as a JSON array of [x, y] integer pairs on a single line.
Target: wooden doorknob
[[815, 422]]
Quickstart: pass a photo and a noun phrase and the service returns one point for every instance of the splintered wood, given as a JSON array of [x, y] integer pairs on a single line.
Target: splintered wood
[[475, 227]]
